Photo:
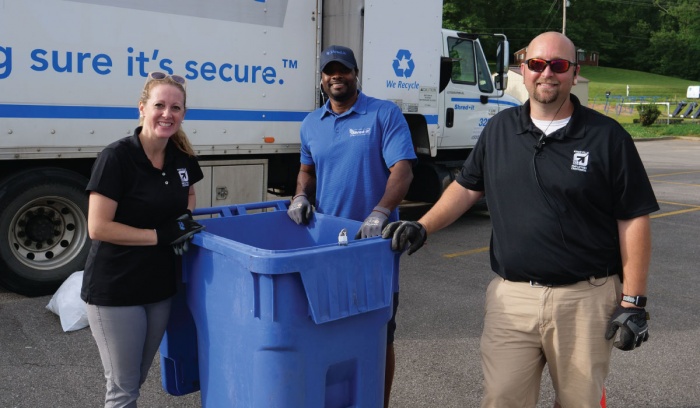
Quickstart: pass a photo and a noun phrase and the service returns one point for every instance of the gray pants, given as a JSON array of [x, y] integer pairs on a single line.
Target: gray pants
[[128, 338]]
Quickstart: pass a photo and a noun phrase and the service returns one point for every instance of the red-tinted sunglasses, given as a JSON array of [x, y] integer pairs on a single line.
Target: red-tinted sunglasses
[[558, 66]]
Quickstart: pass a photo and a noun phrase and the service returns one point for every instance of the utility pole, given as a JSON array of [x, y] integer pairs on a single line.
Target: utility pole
[[565, 4]]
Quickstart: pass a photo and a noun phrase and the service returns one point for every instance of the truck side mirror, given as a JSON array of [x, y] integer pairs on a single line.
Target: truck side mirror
[[502, 53], [445, 71]]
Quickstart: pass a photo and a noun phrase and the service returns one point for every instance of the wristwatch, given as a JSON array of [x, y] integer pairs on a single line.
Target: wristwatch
[[639, 301]]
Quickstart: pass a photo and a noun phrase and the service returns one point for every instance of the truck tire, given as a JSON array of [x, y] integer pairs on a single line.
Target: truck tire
[[43, 229], [429, 181]]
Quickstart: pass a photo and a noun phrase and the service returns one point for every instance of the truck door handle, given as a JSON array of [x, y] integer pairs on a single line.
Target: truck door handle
[[450, 117]]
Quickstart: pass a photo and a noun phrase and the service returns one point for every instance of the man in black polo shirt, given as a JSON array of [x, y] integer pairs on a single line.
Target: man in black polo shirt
[[570, 201]]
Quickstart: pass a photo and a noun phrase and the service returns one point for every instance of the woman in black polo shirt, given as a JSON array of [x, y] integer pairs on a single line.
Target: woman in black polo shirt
[[140, 188]]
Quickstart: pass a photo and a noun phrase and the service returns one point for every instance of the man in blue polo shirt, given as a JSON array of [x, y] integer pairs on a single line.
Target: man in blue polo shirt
[[356, 161], [570, 201]]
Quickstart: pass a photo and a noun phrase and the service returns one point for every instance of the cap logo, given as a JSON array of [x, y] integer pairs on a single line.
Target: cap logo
[[336, 53]]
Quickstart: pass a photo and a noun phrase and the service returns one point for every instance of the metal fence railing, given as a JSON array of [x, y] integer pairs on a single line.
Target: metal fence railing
[[625, 105]]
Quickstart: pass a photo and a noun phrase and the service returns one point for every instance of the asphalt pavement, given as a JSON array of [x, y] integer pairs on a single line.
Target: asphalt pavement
[[439, 319]]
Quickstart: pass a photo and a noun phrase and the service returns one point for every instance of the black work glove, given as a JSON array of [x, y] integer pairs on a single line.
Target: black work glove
[[300, 209], [374, 223], [632, 323], [177, 233], [405, 233]]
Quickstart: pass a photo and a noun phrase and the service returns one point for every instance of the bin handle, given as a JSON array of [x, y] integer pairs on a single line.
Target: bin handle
[[242, 209]]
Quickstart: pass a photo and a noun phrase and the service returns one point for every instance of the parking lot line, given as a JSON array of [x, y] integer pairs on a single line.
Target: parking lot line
[[687, 210], [678, 173], [470, 252]]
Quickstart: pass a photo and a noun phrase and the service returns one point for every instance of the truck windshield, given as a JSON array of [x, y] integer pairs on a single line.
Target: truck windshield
[[469, 66]]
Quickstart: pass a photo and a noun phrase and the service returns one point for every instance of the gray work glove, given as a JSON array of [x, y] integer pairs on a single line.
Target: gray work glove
[[374, 223], [177, 233], [632, 323], [405, 233], [300, 209]]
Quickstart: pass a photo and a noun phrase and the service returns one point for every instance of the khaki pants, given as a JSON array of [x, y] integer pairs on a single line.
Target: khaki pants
[[526, 327]]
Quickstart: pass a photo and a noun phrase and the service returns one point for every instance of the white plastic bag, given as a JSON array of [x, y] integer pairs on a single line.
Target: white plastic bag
[[68, 305]]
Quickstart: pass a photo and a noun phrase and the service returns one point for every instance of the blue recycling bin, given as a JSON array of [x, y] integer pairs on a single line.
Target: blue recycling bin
[[272, 314]]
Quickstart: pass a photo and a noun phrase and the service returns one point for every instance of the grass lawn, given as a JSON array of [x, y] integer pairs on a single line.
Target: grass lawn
[[644, 132], [689, 127], [642, 84], [650, 87]]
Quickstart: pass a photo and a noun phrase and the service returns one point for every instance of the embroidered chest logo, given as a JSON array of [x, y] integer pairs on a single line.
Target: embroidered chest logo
[[184, 177], [580, 161], [360, 132]]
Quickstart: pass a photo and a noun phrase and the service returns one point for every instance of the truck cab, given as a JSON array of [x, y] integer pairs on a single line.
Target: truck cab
[[470, 94]]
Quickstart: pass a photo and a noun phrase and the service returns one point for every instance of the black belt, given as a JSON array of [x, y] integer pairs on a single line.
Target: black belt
[[540, 284]]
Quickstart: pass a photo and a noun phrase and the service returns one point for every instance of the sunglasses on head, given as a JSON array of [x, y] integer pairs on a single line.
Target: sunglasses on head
[[558, 66], [157, 75]]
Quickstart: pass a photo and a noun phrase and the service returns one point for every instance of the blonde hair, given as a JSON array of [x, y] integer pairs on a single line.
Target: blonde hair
[[182, 142]]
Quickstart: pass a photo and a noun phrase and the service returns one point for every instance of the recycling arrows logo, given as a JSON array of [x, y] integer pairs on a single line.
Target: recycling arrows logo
[[403, 64]]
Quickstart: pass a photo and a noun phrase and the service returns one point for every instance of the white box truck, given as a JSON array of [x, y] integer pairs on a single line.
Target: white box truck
[[71, 72]]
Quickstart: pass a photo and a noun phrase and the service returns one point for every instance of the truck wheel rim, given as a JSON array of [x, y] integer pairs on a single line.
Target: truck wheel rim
[[47, 233]]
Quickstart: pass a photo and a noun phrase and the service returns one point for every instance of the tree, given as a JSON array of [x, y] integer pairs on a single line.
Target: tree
[[674, 48], [658, 36], [458, 15]]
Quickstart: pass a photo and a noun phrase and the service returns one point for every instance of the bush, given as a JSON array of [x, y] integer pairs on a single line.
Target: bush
[[648, 114]]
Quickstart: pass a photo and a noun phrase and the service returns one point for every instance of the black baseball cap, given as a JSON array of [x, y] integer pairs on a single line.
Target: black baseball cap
[[338, 53]]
